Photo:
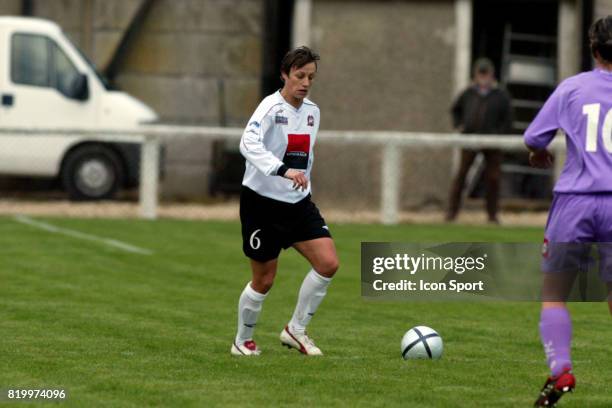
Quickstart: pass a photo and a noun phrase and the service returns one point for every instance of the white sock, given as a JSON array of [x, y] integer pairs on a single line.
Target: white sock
[[249, 307], [311, 294]]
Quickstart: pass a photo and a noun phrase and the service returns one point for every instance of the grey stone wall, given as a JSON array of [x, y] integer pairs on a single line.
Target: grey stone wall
[[215, 45], [197, 62], [384, 65], [10, 7], [602, 8]]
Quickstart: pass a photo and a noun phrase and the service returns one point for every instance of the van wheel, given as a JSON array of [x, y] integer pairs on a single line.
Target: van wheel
[[92, 172]]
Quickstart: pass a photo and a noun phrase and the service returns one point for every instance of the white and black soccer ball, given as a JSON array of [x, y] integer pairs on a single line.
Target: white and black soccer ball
[[422, 342]]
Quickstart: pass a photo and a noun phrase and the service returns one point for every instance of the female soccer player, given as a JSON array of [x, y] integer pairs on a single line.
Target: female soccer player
[[275, 207], [581, 211]]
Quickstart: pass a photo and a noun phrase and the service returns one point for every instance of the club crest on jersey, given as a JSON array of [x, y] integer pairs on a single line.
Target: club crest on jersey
[[281, 120], [310, 120]]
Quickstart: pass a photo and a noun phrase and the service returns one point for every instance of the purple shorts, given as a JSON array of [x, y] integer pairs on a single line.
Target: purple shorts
[[575, 223]]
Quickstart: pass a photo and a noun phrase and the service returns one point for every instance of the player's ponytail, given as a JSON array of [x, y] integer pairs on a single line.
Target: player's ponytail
[[600, 35]]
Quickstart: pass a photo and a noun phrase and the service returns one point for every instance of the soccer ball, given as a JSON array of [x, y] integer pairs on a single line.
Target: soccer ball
[[422, 342]]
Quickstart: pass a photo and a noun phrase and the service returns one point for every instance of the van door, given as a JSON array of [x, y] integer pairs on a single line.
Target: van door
[[35, 93]]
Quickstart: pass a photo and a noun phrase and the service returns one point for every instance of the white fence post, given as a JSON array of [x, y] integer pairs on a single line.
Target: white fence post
[[463, 61], [149, 177], [302, 16], [390, 184]]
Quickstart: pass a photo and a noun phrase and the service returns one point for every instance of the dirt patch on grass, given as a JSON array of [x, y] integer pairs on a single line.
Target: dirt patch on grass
[[229, 211]]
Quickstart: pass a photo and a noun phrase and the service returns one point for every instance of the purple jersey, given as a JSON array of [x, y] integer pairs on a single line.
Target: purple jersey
[[582, 107]]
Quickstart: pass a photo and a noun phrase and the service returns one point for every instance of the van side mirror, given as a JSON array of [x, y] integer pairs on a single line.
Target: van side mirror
[[78, 88]]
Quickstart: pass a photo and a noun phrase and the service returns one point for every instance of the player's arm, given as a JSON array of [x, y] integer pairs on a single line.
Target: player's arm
[[543, 129], [254, 151]]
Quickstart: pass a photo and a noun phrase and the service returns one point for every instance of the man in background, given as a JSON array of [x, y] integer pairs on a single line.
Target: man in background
[[483, 108]]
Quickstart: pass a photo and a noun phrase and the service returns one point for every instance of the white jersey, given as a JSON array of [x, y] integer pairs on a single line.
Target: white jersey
[[278, 134]]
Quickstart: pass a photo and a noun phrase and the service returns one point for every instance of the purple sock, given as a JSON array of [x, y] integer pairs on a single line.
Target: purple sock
[[556, 334]]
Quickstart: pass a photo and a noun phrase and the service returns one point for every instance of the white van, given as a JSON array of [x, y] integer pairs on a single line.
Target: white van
[[45, 81]]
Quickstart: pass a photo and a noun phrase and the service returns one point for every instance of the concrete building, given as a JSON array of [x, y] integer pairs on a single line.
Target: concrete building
[[386, 65]]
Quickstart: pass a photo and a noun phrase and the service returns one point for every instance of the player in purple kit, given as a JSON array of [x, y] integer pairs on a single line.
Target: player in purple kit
[[581, 211]]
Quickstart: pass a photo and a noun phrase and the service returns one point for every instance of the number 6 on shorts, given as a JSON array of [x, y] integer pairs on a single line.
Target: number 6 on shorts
[[254, 241]]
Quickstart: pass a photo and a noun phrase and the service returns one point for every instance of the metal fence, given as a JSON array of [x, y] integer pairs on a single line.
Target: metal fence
[[393, 144]]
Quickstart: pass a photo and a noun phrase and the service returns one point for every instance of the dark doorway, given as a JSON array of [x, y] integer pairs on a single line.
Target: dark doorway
[[278, 17], [587, 20], [525, 16], [520, 37]]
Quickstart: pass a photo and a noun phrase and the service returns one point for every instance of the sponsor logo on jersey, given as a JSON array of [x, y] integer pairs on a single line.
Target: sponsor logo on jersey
[[281, 120], [254, 124], [310, 120], [298, 150], [545, 248]]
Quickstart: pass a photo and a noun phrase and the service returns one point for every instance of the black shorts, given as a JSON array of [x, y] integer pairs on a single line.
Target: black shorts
[[269, 225]]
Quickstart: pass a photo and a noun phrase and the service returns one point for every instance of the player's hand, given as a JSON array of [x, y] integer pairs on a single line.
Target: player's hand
[[541, 159], [300, 181]]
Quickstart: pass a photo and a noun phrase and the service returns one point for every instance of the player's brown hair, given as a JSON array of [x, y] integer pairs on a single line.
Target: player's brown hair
[[298, 58], [600, 35]]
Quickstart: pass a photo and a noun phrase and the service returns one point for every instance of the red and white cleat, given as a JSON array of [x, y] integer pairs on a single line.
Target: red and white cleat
[[555, 387], [248, 348], [300, 342]]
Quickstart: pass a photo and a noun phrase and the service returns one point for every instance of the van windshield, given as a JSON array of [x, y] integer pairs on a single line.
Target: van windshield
[[93, 67]]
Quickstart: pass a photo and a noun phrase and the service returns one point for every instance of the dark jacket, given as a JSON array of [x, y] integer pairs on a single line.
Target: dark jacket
[[484, 114]]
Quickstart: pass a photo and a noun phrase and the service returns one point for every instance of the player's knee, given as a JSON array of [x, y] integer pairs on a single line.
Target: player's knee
[[263, 284], [266, 286], [328, 267]]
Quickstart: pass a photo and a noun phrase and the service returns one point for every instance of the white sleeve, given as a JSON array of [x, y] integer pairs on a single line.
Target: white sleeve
[[253, 148]]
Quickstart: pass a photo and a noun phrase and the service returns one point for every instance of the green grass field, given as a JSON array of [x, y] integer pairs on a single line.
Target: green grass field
[[120, 329]]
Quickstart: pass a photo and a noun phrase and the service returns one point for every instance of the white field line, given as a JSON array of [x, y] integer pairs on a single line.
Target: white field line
[[80, 235]]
